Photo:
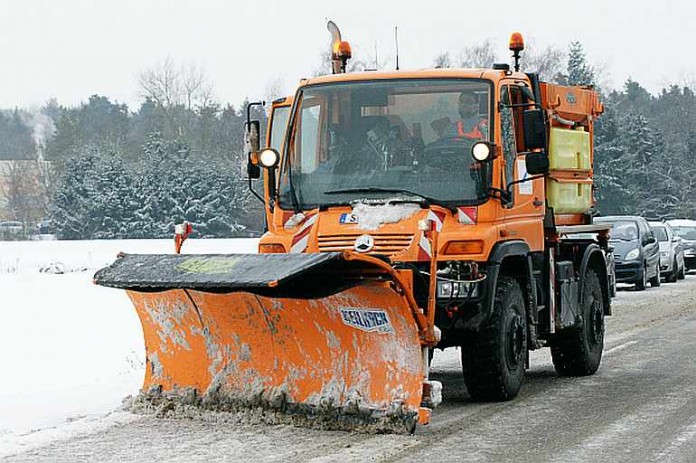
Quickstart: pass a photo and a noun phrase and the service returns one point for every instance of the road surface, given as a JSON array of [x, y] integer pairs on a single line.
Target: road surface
[[640, 406]]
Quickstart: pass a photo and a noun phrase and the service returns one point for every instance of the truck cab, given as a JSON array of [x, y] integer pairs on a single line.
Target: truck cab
[[468, 180]]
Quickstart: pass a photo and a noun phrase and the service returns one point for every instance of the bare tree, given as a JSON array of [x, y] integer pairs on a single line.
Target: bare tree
[[162, 84], [170, 85], [275, 88], [21, 193], [478, 56], [195, 86], [548, 62], [442, 60]]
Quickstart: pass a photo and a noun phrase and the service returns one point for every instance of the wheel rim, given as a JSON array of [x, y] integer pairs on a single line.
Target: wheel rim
[[514, 341], [595, 327]]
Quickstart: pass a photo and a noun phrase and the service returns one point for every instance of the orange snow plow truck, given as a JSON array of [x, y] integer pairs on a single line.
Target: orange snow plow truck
[[406, 211]]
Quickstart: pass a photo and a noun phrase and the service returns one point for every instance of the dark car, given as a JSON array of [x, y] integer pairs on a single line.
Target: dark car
[[636, 251], [686, 230]]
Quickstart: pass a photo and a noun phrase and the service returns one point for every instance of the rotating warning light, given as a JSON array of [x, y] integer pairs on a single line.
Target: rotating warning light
[[516, 42]]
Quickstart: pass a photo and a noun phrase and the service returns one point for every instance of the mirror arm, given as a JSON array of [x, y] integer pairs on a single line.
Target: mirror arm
[[253, 192]]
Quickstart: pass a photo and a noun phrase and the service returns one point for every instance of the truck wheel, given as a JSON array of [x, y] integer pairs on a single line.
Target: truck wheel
[[655, 281], [674, 274], [577, 352], [494, 358]]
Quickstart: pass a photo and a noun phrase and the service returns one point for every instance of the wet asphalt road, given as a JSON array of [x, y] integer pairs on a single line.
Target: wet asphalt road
[[639, 407]]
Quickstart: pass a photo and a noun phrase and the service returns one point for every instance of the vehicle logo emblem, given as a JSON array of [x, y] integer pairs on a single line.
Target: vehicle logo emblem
[[364, 243], [570, 98]]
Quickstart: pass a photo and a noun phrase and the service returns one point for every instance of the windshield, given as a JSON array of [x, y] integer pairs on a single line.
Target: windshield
[[376, 139], [625, 231], [688, 233]]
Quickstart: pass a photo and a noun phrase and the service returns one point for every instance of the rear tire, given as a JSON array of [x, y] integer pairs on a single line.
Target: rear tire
[[655, 281], [642, 281], [578, 351], [494, 358]]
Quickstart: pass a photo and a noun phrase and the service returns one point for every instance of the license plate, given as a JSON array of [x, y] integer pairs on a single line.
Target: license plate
[[348, 218]]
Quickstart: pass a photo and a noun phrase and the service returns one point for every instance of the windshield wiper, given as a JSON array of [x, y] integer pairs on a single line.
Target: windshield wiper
[[426, 199]]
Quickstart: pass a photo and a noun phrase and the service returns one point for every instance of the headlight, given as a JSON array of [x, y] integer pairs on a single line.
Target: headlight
[[633, 254]]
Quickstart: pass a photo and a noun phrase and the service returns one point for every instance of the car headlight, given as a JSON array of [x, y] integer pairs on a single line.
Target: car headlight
[[633, 254]]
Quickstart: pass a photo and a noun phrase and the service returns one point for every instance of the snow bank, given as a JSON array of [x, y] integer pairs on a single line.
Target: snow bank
[[31, 257], [371, 217], [70, 351]]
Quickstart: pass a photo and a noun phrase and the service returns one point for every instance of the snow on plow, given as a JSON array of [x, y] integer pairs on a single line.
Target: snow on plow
[[333, 337]]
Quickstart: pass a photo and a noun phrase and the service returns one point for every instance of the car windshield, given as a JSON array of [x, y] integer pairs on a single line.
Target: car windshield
[[408, 138], [624, 231], [660, 233], [688, 233]]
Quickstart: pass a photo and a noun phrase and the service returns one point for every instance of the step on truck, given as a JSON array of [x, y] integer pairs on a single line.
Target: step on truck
[[406, 211]]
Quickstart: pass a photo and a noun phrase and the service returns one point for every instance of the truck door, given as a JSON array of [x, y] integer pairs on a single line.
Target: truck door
[[523, 215]]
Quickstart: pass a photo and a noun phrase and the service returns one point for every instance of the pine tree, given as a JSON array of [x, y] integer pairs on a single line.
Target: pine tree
[[579, 72]]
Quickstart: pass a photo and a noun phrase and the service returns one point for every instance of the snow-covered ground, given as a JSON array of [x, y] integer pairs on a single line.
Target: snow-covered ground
[[70, 351]]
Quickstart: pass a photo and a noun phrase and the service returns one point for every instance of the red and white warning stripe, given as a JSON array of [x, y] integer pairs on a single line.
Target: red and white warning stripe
[[467, 215], [424, 250], [438, 217], [301, 238]]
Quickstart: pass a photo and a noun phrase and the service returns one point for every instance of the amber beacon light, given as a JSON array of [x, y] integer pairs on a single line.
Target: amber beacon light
[[516, 46]]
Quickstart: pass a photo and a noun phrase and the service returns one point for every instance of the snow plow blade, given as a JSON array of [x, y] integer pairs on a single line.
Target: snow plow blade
[[334, 338]]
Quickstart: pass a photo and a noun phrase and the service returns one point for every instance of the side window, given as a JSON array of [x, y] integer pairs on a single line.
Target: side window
[[308, 142], [510, 127], [507, 131], [279, 125]]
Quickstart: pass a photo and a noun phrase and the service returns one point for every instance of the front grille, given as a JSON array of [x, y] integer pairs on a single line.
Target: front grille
[[385, 243]]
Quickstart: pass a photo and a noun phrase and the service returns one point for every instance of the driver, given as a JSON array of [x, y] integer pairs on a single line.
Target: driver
[[470, 126]]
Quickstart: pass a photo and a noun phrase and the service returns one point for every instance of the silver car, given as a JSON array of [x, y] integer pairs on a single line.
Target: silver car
[[671, 252], [686, 230]]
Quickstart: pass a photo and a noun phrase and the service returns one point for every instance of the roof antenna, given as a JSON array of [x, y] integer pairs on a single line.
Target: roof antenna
[[396, 42]]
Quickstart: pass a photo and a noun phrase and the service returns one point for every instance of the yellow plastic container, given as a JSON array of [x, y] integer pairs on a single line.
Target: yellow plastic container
[[569, 196], [569, 149]]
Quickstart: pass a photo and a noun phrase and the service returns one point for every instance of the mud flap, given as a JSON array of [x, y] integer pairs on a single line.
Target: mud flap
[[308, 335]]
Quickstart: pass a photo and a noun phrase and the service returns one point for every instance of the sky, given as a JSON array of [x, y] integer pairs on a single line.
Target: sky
[[71, 49]]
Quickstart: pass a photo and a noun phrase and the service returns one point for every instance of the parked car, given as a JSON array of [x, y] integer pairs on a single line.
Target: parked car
[[636, 251], [686, 230], [671, 251]]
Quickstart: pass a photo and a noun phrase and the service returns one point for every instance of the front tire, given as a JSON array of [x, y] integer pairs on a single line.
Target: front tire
[[578, 351], [642, 281], [655, 281], [494, 358], [674, 274]]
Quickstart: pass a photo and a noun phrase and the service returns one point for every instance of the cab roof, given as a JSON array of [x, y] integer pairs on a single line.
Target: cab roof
[[430, 73]]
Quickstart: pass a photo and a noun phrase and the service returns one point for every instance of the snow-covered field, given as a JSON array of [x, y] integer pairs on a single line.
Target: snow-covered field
[[70, 351]]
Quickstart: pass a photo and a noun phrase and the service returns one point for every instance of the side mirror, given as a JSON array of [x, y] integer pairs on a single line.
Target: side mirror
[[252, 144], [534, 129], [650, 240], [537, 163]]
